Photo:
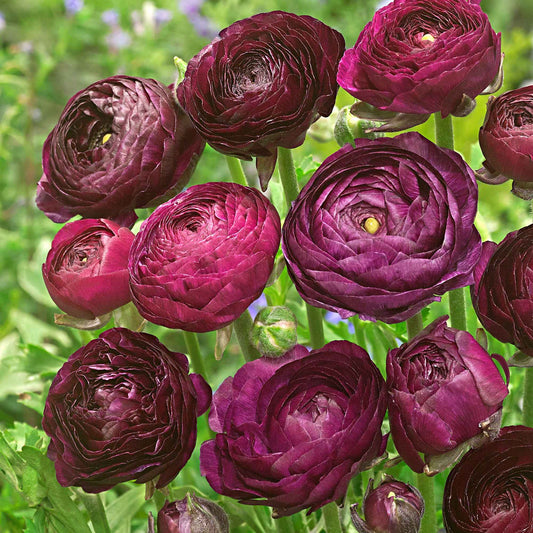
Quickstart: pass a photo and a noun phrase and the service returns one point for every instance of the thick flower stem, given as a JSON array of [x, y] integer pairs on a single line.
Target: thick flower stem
[[316, 326], [193, 348], [426, 488], [331, 518], [287, 173], [456, 300], [444, 131], [95, 507], [528, 398], [236, 171], [242, 327], [414, 325]]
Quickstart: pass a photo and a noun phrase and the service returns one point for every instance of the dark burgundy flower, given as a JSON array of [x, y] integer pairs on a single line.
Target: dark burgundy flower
[[382, 228], [502, 294], [192, 515], [491, 489], [119, 144], [392, 507], [293, 431], [86, 269], [202, 258], [261, 83], [123, 408], [445, 394], [420, 57]]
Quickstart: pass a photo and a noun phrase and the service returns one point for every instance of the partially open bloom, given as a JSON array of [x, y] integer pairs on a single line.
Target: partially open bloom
[[293, 431], [261, 83], [123, 408], [203, 257], [86, 269], [491, 489], [445, 394], [383, 228], [119, 144], [502, 294], [420, 57]]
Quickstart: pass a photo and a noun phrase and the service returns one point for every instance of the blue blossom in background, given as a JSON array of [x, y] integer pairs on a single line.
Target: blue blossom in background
[[73, 6], [335, 318], [257, 305], [2, 22], [118, 39], [203, 25], [162, 16], [110, 17]]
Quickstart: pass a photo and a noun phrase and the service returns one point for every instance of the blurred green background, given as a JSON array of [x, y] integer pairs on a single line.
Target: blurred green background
[[50, 49]]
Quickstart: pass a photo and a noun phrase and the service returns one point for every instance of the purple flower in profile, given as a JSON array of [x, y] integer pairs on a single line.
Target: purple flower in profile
[[383, 228], [293, 431]]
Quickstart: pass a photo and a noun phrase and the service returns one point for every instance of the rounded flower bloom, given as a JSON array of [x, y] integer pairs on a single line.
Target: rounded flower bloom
[[445, 393], [86, 269], [123, 408], [420, 57], [491, 489], [203, 257], [502, 294], [261, 83], [119, 144], [293, 431], [383, 228]]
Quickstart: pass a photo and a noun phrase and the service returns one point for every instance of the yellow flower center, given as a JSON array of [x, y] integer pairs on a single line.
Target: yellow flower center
[[428, 38], [371, 225], [106, 138]]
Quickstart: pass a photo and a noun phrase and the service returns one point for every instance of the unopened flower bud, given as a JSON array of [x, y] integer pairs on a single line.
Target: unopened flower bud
[[274, 331], [349, 127]]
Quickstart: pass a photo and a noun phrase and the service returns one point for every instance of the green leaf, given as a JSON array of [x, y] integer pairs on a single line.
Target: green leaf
[[125, 507]]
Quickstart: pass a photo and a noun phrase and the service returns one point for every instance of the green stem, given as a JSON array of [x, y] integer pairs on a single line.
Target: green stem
[[315, 326], [95, 508], [456, 299], [236, 171], [242, 327], [444, 131], [331, 518], [287, 173], [193, 347], [426, 488], [414, 325], [528, 397]]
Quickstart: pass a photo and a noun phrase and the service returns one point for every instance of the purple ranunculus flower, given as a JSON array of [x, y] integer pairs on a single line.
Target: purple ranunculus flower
[[86, 269], [502, 294], [119, 144], [420, 57], [491, 489], [445, 393], [203, 257], [261, 83], [293, 431], [123, 408], [383, 228]]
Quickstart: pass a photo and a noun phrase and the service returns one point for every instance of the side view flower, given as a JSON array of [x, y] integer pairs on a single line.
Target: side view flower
[[203, 257], [445, 394], [119, 144], [261, 83], [123, 408], [86, 269], [383, 228], [293, 431]]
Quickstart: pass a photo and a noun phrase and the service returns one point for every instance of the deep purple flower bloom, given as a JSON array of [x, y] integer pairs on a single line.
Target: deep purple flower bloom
[[119, 144], [293, 431], [123, 408], [261, 84], [444, 391], [491, 489], [420, 57], [383, 228], [86, 269], [502, 294], [203, 257]]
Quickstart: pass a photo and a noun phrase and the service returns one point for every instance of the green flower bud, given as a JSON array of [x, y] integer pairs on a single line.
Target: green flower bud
[[349, 127], [274, 331]]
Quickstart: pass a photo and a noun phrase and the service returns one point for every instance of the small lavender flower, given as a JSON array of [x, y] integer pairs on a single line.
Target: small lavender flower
[[110, 17], [118, 39], [161, 17], [73, 6], [2, 22]]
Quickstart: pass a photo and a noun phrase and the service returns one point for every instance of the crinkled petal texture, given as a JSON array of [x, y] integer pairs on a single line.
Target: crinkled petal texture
[[86, 269], [119, 144], [293, 431], [203, 257], [123, 408], [442, 384], [420, 57], [502, 295], [491, 489], [262, 82], [506, 137], [382, 228]]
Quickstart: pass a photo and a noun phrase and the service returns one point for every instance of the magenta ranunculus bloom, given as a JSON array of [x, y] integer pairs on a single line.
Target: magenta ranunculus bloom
[[293, 431], [86, 269], [491, 489], [119, 144], [203, 257], [382, 229], [420, 57], [445, 393], [502, 294], [261, 83], [123, 408]]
